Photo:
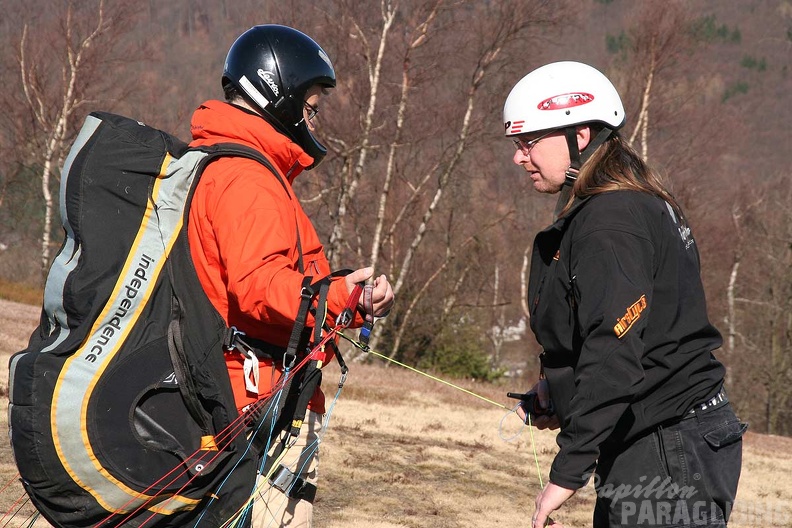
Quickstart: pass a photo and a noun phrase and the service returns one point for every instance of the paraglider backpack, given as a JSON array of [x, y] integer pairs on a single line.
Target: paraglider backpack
[[121, 410]]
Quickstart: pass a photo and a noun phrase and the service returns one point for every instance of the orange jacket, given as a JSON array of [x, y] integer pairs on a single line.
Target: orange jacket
[[243, 232]]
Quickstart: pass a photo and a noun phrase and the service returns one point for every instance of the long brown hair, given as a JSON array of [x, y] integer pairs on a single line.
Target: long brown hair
[[616, 166]]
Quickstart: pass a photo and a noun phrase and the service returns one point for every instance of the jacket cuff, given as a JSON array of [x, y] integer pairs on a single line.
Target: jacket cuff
[[569, 481]]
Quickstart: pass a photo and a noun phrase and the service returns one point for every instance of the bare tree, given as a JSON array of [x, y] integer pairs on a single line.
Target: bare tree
[[417, 181], [497, 332], [657, 45], [401, 172], [62, 63], [374, 53], [761, 303]]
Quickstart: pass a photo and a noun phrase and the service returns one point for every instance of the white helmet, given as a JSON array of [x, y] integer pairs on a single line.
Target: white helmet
[[559, 95]]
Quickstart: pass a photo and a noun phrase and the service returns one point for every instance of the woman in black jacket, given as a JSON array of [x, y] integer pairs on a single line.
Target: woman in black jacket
[[618, 306]]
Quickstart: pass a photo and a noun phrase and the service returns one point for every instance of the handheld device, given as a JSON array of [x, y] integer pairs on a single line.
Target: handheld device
[[530, 403]]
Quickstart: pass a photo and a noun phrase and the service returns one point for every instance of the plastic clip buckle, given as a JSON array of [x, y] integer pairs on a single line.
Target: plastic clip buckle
[[232, 340]]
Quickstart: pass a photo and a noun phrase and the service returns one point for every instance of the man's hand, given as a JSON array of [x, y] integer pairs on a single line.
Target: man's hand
[[549, 500], [382, 294]]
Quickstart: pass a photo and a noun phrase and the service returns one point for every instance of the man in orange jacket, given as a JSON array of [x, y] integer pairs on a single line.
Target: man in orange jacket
[[250, 239]]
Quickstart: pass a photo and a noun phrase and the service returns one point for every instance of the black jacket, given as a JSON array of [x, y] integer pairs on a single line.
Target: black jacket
[[618, 306]]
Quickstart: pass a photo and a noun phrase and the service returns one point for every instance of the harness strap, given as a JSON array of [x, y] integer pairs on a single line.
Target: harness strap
[[298, 341], [312, 375], [268, 422], [320, 315], [300, 386], [261, 349]]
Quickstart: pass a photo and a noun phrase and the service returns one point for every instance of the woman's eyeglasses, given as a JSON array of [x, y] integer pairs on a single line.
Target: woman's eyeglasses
[[526, 146]]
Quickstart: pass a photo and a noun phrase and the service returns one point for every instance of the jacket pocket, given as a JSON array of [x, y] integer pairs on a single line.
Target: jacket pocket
[[725, 434]]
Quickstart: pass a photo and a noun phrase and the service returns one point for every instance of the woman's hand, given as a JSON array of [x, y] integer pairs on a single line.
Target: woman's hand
[[549, 500], [542, 391]]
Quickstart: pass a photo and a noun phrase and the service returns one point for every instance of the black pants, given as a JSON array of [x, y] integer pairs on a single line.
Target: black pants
[[680, 475]]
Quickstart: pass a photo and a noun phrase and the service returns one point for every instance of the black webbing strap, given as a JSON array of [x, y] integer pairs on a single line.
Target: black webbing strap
[[320, 315], [261, 349], [570, 133], [312, 375], [578, 158], [298, 341], [297, 393], [300, 386], [268, 422]]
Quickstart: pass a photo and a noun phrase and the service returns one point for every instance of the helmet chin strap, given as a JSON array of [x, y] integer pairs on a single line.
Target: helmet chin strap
[[576, 160]]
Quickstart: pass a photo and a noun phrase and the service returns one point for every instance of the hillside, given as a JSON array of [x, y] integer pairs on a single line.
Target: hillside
[[458, 221], [403, 450]]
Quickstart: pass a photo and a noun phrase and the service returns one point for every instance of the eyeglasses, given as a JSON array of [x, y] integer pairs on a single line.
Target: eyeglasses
[[310, 110], [525, 146]]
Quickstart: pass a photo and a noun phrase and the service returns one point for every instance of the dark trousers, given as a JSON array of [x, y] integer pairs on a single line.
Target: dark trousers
[[680, 475]]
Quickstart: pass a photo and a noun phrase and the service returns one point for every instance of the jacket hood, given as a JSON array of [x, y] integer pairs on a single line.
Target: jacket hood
[[220, 122]]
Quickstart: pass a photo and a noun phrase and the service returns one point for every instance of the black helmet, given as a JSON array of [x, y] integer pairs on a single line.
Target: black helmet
[[274, 66]]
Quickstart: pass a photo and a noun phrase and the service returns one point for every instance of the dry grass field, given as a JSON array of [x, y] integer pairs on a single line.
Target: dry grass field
[[405, 451]]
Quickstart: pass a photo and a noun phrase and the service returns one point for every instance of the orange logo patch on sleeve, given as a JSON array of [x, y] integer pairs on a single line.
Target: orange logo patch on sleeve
[[632, 314]]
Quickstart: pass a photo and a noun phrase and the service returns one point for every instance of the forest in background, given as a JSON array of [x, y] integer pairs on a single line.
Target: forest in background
[[419, 179]]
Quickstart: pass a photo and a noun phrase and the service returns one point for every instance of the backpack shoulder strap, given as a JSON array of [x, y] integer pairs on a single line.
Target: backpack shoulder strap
[[219, 150], [241, 151]]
